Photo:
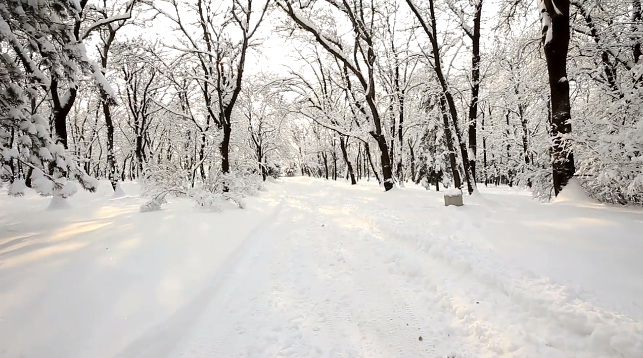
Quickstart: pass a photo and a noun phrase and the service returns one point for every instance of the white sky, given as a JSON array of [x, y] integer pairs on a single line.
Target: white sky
[[277, 54]]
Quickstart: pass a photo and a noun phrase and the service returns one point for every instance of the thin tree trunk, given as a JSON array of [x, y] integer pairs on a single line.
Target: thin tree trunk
[[475, 88], [370, 161], [358, 163], [484, 151], [111, 158], [400, 137], [334, 164], [325, 157], [412, 159], [509, 171], [349, 166]]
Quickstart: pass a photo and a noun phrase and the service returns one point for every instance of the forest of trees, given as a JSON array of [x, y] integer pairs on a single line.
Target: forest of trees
[[444, 93]]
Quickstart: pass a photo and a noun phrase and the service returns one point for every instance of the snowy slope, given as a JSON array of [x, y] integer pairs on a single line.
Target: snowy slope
[[322, 269]]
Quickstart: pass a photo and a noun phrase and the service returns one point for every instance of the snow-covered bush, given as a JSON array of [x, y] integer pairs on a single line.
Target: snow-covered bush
[[17, 188], [160, 181], [154, 204], [273, 170]]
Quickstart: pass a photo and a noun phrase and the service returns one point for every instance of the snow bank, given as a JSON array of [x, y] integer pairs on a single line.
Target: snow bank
[[58, 202], [91, 280], [452, 192], [573, 193], [119, 192]]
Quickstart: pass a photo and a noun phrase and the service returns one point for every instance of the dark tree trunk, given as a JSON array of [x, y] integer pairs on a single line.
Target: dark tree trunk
[[367, 149], [391, 149], [262, 164], [509, 170], [400, 137], [111, 158], [224, 149], [475, 88], [484, 151], [349, 165], [412, 161], [61, 111], [525, 138], [555, 35], [334, 165], [637, 26], [202, 156], [138, 152], [325, 157], [358, 163], [387, 173], [449, 139], [106, 101]]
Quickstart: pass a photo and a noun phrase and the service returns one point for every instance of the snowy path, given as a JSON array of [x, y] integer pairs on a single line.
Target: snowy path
[[319, 269], [338, 274]]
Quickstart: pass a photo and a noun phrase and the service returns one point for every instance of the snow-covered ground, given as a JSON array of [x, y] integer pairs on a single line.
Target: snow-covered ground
[[321, 269]]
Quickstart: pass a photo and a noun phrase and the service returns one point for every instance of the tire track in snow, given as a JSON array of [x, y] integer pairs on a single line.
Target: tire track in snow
[[389, 299], [539, 325]]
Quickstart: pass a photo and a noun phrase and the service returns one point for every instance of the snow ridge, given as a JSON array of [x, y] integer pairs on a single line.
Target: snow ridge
[[545, 315]]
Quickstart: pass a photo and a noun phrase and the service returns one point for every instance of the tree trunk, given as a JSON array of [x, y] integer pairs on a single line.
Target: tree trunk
[[484, 152], [637, 28], [555, 36], [111, 158], [475, 89], [334, 165], [224, 149], [449, 139], [358, 165], [138, 152], [400, 138], [412, 161], [202, 157], [510, 174], [61, 111], [262, 166], [367, 149], [525, 138], [349, 166], [325, 157]]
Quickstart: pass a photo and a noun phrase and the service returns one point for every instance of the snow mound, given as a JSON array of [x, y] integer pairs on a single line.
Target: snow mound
[[119, 192], [452, 192], [58, 203], [17, 188], [477, 198], [573, 193]]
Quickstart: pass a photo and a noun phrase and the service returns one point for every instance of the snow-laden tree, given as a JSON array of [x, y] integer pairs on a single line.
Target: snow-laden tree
[[355, 51], [216, 37], [43, 62]]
